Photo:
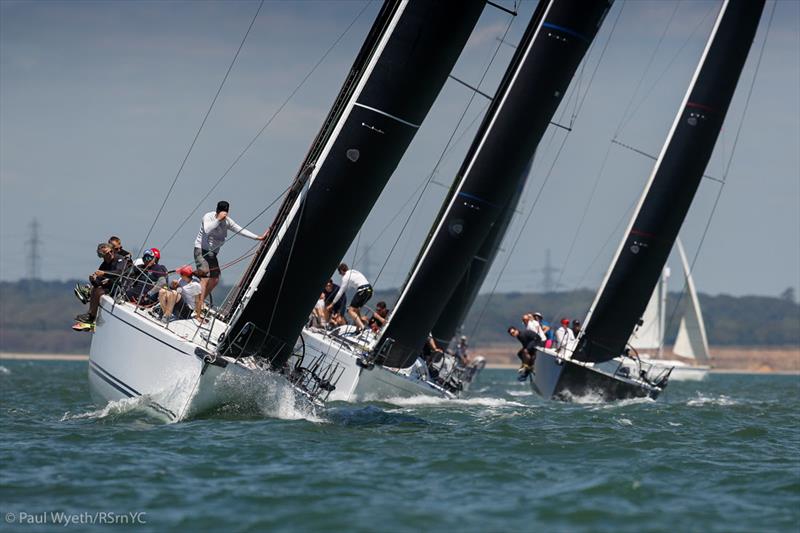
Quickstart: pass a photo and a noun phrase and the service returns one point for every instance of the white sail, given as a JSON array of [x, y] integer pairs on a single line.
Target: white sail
[[691, 341], [649, 337]]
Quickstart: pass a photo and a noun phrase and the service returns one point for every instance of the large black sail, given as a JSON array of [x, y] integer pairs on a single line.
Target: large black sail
[[546, 59], [456, 309], [399, 72], [629, 283]]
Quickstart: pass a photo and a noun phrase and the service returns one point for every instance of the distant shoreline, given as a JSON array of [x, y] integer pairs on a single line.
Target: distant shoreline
[[9, 356]]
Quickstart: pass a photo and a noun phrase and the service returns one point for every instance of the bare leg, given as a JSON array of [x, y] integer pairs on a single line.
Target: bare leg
[[212, 283], [356, 316], [170, 299], [94, 300]]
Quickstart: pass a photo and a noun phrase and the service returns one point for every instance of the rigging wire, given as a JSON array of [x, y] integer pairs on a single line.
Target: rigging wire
[[444, 151], [202, 124], [727, 166], [266, 125]]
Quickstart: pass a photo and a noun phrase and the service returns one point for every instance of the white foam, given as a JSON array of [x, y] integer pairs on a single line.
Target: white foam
[[270, 394], [4, 370], [519, 393], [436, 400], [112, 408], [711, 400], [625, 421]]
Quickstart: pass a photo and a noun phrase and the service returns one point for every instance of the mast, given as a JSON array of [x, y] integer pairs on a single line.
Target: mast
[[402, 66], [456, 309], [546, 59], [672, 186]]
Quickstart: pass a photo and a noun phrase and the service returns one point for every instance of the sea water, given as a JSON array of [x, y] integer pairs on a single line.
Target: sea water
[[717, 455]]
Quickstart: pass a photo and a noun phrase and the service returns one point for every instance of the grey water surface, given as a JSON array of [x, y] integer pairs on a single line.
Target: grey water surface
[[718, 455]]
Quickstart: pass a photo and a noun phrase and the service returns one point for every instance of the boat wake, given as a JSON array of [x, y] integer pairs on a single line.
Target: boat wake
[[518, 393], [596, 399], [267, 394], [431, 400], [114, 410]]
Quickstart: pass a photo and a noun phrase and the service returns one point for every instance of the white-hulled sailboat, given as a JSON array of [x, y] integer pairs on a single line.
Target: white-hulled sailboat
[[179, 369], [591, 365], [691, 343], [389, 364]]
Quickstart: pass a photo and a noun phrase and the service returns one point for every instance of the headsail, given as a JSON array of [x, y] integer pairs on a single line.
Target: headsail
[[691, 341], [546, 59], [649, 337], [411, 49], [669, 193]]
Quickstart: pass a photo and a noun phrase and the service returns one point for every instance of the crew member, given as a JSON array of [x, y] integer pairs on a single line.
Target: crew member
[[213, 231], [527, 355], [353, 279]]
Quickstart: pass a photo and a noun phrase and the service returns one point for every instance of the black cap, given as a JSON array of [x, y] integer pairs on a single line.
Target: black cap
[[223, 206]]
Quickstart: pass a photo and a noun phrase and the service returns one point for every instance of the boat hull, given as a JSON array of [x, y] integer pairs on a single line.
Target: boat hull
[[559, 378], [359, 384], [132, 356]]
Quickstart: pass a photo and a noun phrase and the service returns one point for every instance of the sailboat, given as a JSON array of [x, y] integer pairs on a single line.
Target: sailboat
[[185, 368], [389, 364], [589, 366], [691, 343]]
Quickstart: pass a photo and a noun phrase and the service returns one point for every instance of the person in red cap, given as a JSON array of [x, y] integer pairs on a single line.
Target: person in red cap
[[564, 336], [183, 299], [149, 276]]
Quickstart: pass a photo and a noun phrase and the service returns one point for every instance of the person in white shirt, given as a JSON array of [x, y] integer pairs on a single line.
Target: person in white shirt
[[353, 279], [564, 336], [185, 293], [531, 324], [213, 232]]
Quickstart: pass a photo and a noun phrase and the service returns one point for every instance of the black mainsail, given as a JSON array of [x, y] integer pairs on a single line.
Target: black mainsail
[[552, 47], [456, 309], [402, 66], [630, 281]]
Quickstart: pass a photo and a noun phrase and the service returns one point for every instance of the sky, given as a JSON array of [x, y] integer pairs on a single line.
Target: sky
[[100, 102]]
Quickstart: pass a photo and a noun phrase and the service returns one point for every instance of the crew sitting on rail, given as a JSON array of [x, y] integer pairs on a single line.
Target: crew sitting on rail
[[461, 351], [334, 316], [379, 316], [186, 293], [353, 279], [432, 354], [148, 277], [103, 279], [84, 291]]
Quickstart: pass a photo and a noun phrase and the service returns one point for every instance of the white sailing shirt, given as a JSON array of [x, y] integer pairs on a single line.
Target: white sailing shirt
[[534, 326], [352, 279], [564, 336], [213, 232], [189, 291]]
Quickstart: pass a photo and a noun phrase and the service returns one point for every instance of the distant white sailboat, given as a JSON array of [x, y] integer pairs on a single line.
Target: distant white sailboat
[[691, 342]]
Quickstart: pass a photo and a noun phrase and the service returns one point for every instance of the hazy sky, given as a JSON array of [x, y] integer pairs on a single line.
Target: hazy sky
[[99, 102]]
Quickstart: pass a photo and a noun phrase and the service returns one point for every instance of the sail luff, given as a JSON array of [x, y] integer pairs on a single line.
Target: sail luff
[[394, 92], [672, 185], [532, 88]]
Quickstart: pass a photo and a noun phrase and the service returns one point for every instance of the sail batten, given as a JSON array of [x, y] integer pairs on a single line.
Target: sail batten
[[551, 49], [398, 73], [672, 186]]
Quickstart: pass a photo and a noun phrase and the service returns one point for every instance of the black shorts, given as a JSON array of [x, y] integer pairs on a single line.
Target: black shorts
[[363, 294], [206, 261], [182, 311]]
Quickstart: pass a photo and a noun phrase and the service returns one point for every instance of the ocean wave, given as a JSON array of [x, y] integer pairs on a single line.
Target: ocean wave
[[4, 370], [268, 394], [518, 393]]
